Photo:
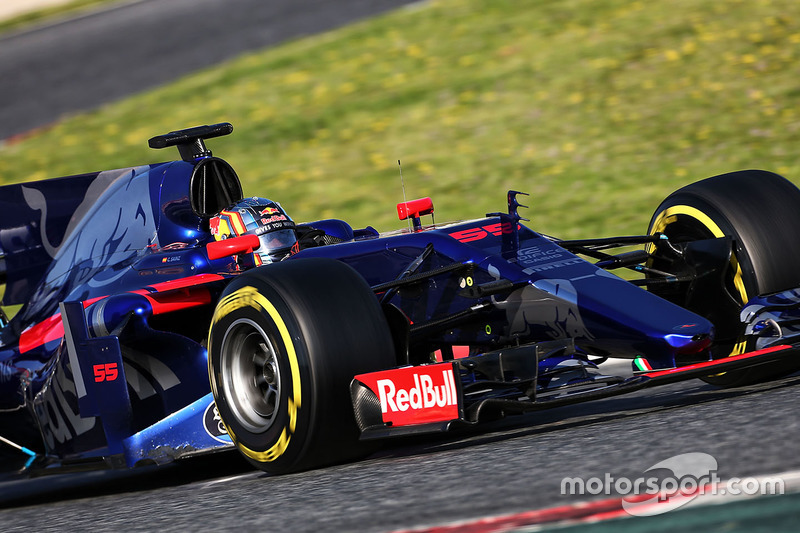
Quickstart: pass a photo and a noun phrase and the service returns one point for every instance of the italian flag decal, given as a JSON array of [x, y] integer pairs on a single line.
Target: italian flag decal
[[641, 364]]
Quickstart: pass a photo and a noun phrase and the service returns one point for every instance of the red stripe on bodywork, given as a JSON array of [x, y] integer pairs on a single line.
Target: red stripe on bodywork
[[715, 362], [52, 329], [47, 330], [38, 334], [179, 294], [177, 300], [191, 281]]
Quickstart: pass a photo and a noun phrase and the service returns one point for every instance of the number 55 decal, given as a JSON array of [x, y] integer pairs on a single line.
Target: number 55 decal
[[105, 372]]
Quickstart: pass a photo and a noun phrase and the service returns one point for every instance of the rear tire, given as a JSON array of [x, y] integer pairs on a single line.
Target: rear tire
[[285, 342], [757, 209]]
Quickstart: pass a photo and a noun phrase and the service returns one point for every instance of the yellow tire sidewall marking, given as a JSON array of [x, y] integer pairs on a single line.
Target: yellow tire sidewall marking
[[250, 297]]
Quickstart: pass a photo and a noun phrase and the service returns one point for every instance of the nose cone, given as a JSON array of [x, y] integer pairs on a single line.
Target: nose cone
[[690, 338]]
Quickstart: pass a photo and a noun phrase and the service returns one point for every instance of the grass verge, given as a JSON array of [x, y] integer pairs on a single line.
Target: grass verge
[[50, 13], [597, 109]]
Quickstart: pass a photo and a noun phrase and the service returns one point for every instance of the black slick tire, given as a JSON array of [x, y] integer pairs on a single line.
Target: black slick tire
[[286, 340], [757, 209]]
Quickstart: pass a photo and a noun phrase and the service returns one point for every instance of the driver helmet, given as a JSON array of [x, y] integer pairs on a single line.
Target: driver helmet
[[261, 217]]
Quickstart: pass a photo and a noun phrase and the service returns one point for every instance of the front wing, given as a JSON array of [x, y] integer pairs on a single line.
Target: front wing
[[430, 398]]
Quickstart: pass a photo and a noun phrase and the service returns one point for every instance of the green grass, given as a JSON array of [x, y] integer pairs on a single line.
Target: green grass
[[597, 109]]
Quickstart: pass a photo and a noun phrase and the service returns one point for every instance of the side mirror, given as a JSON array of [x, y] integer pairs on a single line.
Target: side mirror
[[232, 246]]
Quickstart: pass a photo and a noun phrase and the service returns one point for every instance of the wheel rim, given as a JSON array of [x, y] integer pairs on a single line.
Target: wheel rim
[[251, 377]]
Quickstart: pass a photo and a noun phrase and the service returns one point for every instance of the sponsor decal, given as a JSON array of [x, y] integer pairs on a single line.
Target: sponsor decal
[[276, 218], [539, 254], [556, 264], [415, 395], [214, 425], [545, 257], [269, 211]]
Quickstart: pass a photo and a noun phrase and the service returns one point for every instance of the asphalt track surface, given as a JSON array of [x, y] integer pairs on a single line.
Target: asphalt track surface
[[510, 466], [79, 64]]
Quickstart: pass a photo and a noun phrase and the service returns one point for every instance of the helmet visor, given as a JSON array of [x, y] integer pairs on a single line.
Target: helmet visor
[[276, 241]]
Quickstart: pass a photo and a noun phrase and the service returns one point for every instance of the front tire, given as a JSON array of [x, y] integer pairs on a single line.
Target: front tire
[[285, 342], [757, 209]]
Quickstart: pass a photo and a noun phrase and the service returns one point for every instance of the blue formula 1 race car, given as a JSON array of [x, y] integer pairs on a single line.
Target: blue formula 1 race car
[[164, 314]]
